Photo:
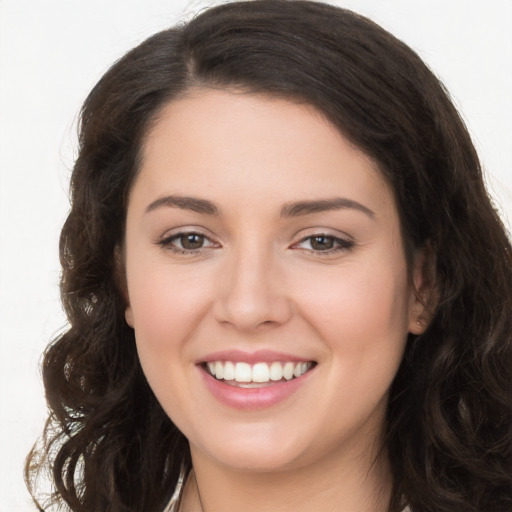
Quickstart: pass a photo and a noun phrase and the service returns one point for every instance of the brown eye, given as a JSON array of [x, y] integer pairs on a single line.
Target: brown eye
[[187, 243], [322, 243], [191, 241]]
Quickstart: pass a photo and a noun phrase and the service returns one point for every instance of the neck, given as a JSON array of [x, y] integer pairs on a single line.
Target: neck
[[361, 484]]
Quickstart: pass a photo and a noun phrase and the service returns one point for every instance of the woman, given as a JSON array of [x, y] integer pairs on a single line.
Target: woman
[[286, 285]]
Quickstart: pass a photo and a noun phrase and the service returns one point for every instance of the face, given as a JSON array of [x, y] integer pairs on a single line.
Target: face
[[266, 282]]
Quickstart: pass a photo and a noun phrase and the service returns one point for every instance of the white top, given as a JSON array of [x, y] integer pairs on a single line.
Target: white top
[[174, 503]]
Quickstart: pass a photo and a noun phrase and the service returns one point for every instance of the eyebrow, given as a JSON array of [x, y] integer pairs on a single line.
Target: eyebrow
[[194, 204], [294, 209], [298, 208]]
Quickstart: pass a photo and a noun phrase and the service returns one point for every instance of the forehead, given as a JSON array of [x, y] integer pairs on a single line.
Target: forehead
[[251, 146]]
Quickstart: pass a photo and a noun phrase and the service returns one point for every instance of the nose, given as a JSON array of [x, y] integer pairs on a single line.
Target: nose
[[252, 292]]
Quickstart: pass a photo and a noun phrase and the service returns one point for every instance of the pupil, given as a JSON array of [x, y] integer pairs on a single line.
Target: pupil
[[192, 241], [322, 243]]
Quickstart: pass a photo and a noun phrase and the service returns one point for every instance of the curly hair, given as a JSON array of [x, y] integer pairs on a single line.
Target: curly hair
[[108, 443]]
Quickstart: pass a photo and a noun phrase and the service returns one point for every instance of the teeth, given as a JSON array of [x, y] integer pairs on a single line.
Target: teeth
[[259, 373], [219, 370], [288, 371], [243, 372], [229, 371], [276, 371]]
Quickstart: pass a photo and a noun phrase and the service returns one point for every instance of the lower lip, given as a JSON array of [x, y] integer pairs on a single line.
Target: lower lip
[[252, 398]]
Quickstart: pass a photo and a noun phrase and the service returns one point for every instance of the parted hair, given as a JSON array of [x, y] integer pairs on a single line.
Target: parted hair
[[108, 444]]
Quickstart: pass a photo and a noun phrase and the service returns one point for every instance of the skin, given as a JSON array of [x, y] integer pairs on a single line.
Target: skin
[[261, 280]]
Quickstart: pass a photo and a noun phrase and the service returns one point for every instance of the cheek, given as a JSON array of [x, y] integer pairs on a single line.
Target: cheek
[[166, 303], [362, 316], [359, 298], [167, 306]]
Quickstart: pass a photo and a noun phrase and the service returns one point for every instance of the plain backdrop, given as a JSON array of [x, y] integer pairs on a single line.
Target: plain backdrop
[[53, 52]]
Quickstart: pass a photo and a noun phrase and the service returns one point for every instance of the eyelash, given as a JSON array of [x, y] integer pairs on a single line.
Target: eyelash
[[339, 244], [167, 243]]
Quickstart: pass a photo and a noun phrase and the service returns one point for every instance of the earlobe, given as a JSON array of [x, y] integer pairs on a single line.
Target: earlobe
[[423, 293], [122, 284], [418, 326], [128, 315]]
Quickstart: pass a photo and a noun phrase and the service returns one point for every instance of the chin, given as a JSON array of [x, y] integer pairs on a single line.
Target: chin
[[254, 453]]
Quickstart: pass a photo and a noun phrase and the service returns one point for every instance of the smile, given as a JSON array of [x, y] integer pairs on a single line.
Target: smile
[[242, 374], [254, 381]]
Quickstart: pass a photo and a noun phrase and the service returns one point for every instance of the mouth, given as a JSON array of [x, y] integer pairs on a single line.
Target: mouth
[[258, 375]]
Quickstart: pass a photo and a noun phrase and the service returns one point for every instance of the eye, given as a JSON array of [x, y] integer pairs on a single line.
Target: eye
[[322, 243], [190, 241], [187, 242]]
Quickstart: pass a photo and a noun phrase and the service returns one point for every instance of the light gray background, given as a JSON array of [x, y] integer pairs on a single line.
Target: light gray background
[[53, 52]]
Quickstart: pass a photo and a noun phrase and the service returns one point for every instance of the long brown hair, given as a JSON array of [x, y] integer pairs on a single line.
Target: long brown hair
[[107, 442]]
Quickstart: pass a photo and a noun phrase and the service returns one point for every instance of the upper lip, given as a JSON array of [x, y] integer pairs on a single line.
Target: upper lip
[[259, 356]]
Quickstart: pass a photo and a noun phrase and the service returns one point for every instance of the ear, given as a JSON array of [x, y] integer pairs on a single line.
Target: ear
[[120, 271], [423, 300], [128, 315]]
